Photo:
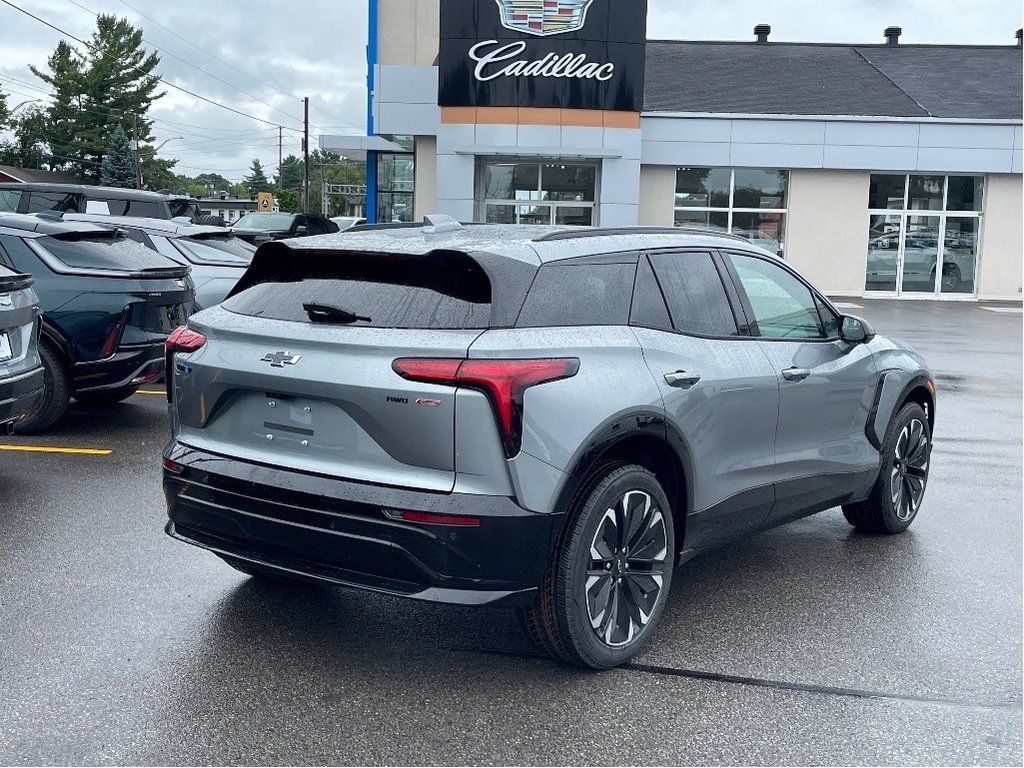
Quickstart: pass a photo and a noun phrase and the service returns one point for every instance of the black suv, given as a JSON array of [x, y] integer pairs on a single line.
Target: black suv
[[76, 198], [108, 305], [259, 228]]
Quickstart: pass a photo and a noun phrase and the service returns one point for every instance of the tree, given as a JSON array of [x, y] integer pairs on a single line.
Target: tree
[[111, 82], [4, 110], [118, 166], [241, 191], [257, 180], [30, 147], [290, 174], [288, 201], [158, 173]]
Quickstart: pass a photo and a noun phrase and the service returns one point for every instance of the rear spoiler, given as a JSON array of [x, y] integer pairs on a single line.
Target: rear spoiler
[[444, 270], [15, 282]]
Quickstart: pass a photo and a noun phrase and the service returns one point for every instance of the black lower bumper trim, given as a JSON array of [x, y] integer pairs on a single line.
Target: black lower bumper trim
[[20, 396], [337, 531]]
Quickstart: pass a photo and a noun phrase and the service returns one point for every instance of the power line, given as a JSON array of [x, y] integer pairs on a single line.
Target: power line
[[165, 82], [185, 40]]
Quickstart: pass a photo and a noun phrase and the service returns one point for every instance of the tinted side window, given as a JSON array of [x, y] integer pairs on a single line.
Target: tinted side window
[[52, 201], [649, 310], [19, 255], [784, 308], [829, 318], [9, 199], [579, 294], [695, 294]]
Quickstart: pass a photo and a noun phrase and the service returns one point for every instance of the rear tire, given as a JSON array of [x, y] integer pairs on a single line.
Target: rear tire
[[896, 497], [263, 573], [113, 397], [605, 589], [56, 393]]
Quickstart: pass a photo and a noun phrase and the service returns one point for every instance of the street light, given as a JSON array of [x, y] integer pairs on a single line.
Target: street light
[[10, 113], [134, 145]]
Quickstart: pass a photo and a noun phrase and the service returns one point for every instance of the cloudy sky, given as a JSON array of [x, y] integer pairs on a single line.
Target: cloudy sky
[[261, 57]]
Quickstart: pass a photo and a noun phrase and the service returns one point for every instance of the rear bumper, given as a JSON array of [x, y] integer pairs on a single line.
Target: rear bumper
[[129, 367], [19, 396], [337, 531]]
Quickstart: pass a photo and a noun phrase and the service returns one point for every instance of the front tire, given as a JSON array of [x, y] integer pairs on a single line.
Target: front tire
[[899, 490], [56, 394], [605, 590]]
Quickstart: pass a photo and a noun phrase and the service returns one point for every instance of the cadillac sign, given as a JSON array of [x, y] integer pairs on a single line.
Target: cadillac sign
[[570, 54], [543, 17]]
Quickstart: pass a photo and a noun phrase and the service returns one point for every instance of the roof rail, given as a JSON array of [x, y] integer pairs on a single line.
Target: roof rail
[[610, 231]]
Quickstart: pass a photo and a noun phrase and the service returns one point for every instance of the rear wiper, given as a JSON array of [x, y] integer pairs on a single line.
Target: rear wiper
[[322, 313]]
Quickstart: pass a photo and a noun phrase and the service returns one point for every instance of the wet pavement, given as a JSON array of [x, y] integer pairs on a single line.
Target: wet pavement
[[810, 644]]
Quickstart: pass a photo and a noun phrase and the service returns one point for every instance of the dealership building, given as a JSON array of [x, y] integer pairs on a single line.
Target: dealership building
[[880, 169]]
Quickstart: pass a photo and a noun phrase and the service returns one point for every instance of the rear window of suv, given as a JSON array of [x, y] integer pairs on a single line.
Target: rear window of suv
[[384, 292], [106, 253]]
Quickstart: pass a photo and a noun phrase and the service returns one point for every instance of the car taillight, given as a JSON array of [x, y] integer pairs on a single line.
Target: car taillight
[[114, 335], [503, 381], [180, 340]]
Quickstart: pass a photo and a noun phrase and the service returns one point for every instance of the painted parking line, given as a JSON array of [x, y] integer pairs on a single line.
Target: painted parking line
[[1006, 310], [49, 449], [846, 305], [161, 392]]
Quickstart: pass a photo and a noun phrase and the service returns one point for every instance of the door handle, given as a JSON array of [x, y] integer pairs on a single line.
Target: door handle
[[795, 374], [681, 379]]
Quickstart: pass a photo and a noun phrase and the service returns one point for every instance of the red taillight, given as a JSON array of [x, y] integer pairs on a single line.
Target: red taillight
[[114, 336], [504, 381], [180, 340], [172, 466]]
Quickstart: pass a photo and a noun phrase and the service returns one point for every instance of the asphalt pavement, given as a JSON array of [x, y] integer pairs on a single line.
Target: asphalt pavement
[[809, 644]]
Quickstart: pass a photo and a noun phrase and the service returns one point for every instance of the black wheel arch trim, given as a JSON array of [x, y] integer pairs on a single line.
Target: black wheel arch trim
[[643, 423], [917, 381], [55, 336]]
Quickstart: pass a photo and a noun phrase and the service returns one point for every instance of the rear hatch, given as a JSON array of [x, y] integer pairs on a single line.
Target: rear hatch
[[216, 250], [158, 294], [296, 370]]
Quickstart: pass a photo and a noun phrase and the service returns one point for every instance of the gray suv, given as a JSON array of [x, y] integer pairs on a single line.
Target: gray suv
[[540, 417], [21, 372]]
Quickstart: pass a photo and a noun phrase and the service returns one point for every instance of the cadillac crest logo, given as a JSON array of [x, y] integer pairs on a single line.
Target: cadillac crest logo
[[544, 17]]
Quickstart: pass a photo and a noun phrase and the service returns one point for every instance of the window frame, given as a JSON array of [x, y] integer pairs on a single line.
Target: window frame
[[748, 309], [483, 202], [732, 299], [731, 208], [905, 213]]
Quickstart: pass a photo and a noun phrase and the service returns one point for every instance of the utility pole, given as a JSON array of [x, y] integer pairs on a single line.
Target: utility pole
[[305, 154], [138, 154], [280, 160]]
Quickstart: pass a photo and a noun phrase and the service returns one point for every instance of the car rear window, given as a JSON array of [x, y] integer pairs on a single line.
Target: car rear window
[[9, 200], [216, 250], [133, 208], [579, 294], [103, 252], [447, 291]]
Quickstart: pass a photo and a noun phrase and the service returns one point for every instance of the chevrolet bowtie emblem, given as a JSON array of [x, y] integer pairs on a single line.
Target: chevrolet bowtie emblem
[[280, 359]]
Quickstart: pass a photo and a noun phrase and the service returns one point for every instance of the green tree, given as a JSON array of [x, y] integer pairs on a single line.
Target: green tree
[[4, 110], [257, 180], [290, 174], [29, 147], [112, 81], [118, 166], [158, 173], [241, 191], [288, 201]]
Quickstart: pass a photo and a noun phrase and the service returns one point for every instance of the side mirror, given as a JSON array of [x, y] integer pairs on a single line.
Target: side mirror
[[854, 330]]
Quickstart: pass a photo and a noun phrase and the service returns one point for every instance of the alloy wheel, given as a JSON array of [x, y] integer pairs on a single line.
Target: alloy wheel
[[626, 573], [910, 469]]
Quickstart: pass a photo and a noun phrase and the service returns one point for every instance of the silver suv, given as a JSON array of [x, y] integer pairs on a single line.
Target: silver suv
[[540, 417]]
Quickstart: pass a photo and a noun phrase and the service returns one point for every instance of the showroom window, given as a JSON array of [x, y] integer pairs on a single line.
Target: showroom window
[[513, 192], [917, 222], [751, 202]]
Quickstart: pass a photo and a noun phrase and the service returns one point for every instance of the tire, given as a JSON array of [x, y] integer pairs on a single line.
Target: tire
[[112, 397], [56, 393], [600, 611], [899, 490], [262, 573], [210, 220], [950, 279]]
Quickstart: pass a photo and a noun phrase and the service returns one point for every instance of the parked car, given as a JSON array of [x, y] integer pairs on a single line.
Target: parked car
[[258, 228], [347, 222], [21, 374], [217, 257], [108, 305], [79, 198], [544, 417]]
